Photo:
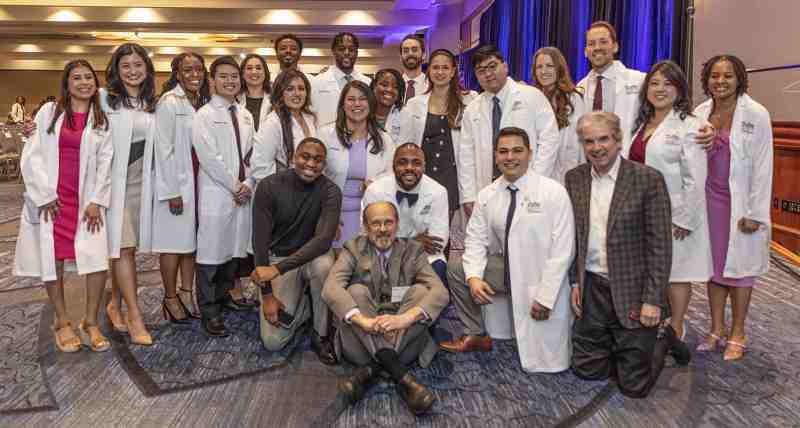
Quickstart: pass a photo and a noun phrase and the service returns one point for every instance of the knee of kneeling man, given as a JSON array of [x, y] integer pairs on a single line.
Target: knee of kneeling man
[[358, 290], [322, 265]]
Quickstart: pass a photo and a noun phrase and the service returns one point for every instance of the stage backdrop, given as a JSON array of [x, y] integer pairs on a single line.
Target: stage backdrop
[[648, 31]]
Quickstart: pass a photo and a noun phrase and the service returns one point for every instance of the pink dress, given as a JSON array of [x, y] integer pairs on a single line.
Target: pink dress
[[718, 202], [69, 166]]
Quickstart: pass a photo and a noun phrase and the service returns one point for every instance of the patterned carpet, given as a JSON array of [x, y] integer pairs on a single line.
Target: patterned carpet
[[10, 206], [184, 357], [23, 386]]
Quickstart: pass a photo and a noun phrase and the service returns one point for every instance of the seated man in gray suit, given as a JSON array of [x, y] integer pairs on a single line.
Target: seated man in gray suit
[[383, 292]]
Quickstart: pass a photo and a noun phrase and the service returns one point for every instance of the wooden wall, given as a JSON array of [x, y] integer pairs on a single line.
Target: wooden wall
[[786, 185]]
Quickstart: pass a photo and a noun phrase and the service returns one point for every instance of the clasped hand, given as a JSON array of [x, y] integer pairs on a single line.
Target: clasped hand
[[243, 194]]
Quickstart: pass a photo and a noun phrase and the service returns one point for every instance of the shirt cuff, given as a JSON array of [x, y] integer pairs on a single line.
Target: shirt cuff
[[350, 314], [427, 318]]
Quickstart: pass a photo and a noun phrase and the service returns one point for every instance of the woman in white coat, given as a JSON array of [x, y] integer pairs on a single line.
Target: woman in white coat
[[738, 192], [256, 85], [665, 140], [66, 166], [390, 91], [129, 101], [290, 121], [358, 152], [433, 121], [174, 230], [552, 76]]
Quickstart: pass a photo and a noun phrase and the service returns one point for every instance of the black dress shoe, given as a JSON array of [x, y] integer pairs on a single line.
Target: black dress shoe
[[231, 305], [214, 327], [355, 385], [323, 347], [677, 347], [417, 396]]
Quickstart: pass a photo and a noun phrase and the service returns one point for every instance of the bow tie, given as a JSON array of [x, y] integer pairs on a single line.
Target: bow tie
[[411, 197]]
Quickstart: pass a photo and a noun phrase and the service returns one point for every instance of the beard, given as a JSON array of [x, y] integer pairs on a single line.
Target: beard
[[411, 63]]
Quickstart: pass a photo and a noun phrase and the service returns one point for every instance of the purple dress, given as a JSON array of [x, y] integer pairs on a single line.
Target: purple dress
[[718, 201], [353, 191]]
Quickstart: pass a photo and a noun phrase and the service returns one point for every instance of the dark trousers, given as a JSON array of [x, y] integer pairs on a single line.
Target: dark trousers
[[602, 347], [213, 283], [440, 267]]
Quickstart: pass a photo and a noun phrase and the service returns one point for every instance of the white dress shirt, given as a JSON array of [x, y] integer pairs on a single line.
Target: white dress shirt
[[420, 84], [599, 206], [610, 76]]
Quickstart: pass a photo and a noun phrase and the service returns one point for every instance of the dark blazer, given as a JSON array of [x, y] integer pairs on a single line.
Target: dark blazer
[[639, 236], [357, 264]]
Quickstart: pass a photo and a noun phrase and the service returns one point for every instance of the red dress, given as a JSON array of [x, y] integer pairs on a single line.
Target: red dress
[[69, 167], [638, 148]]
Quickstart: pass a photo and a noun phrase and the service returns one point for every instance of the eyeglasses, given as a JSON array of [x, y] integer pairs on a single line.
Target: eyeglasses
[[490, 68]]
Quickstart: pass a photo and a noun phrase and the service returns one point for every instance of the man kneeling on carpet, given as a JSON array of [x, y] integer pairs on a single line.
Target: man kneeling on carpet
[[520, 243], [384, 293], [295, 216]]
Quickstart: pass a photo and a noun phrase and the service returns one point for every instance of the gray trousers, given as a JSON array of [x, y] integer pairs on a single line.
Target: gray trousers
[[358, 347], [468, 311], [290, 289]]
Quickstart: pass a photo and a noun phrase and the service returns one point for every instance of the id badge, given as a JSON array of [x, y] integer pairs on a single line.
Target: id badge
[[398, 293]]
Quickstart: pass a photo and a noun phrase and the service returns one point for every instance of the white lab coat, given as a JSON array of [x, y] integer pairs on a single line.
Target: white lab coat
[[627, 84], [414, 116], [17, 113], [174, 176], [392, 125], [570, 153], [268, 145], [429, 214], [266, 107], [751, 186], [673, 151], [325, 92], [338, 161], [224, 228], [35, 251], [523, 106], [121, 123], [541, 248]]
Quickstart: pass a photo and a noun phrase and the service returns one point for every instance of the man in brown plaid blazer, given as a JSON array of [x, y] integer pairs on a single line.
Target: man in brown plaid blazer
[[624, 255]]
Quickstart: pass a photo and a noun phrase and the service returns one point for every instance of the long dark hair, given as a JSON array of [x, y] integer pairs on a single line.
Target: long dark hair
[[455, 93], [204, 94], [373, 129], [282, 82], [398, 78], [267, 83], [559, 96], [683, 100], [64, 104], [116, 88]]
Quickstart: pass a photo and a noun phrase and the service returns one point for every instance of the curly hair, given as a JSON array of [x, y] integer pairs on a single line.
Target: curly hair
[[559, 95], [738, 68], [204, 94]]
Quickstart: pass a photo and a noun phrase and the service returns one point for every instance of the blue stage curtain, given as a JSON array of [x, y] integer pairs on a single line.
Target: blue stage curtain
[[648, 30]]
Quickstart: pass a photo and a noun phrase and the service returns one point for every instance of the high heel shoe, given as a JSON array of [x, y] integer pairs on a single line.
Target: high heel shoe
[[734, 349], [192, 313], [142, 337], [115, 316], [97, 342], [169, 315], [710, 344]]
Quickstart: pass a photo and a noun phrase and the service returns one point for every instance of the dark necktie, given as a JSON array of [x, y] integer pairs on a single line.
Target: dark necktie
[[235, 122], [497, 115], [509, 218], [410, 197], [597, 104], [410, 91], [347, 78]]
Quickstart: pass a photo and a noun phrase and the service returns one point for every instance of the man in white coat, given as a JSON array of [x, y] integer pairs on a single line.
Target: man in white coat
[[412, 55], [326, 86], [222, 135], [503, 103], [520, 241], [421, 204]]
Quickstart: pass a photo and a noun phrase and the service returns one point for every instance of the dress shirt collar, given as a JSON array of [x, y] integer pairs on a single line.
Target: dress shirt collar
[[339, 75], [520, 183], [503, 93], [416, 188], [220, 102], [612, 173], [419, 80], [611, 73]]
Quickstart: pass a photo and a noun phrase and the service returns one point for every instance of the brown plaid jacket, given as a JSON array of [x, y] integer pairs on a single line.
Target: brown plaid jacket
[[639, 238]]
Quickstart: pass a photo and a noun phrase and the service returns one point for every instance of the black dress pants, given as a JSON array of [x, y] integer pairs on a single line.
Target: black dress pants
[[602, 347], [213, 283]]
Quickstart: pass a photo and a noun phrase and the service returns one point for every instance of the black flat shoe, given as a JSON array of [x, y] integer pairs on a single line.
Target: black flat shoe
[[214, 327], [323, 347], [677, 348]]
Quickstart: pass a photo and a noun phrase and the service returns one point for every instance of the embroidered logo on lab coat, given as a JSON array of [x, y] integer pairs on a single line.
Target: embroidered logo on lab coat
[[748, 127], [631, 89]]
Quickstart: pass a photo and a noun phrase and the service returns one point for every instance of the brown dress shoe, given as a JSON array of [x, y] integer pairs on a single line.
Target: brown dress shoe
[[354, 386], [468, 343], [417, 396]]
